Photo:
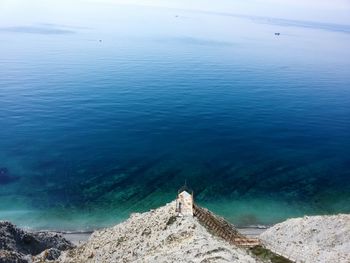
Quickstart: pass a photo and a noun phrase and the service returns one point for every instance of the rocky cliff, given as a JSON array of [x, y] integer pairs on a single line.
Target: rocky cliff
[[311, 238], [157, 236], [17, 245]]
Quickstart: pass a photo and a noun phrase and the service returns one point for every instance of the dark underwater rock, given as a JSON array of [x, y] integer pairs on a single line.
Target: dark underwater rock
[[5, 177], [16, 244]]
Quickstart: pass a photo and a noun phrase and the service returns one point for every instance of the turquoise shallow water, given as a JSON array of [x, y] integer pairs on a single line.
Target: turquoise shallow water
[[103, 117]]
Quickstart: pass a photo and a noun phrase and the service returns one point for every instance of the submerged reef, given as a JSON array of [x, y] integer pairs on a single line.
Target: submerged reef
[[5, 177]]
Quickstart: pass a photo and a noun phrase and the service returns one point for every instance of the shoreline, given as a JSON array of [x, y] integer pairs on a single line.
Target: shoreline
[[80, 237], [163, 234]]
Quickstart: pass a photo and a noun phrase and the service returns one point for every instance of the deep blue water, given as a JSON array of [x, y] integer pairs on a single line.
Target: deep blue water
[[105, 117]]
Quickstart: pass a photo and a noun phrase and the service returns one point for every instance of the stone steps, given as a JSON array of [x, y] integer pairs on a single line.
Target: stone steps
[[220, 227]]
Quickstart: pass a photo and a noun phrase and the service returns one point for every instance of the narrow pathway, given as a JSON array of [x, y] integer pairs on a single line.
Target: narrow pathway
[[220, 227]]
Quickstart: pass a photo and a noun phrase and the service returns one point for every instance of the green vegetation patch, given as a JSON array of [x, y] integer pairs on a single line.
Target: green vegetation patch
[[267, 255]]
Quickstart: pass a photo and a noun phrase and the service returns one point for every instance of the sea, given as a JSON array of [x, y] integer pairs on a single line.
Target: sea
[[107, 110]]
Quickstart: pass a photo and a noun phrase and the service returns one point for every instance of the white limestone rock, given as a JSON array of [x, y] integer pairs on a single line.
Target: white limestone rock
[[311, 238], [156, 236]]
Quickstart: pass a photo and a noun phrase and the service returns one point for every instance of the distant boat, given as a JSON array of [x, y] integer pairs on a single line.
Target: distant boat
[[277, 34]]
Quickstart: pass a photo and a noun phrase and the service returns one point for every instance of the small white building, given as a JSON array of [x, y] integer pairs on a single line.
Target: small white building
[[184, 203]]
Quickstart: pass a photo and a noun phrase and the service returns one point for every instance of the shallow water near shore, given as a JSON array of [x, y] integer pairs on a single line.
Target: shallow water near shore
[[104, 117]]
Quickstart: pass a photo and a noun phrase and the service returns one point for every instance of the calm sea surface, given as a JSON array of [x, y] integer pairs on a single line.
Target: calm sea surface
[[110, 114]]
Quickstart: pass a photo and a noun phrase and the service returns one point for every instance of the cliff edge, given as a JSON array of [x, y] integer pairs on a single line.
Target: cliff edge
[[157, 236], [311, 238]]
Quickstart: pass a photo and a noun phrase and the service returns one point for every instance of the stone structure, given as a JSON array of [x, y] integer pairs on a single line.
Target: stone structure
[[184, 203], [221, 228], [216, 225]]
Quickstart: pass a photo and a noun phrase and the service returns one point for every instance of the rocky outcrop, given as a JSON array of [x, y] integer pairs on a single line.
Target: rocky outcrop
[[157, 236], [17, 245], [161, 236], [311, 239]]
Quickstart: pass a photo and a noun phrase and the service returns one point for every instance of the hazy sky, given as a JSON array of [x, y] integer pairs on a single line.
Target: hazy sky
[[336, 11], [326, 11]]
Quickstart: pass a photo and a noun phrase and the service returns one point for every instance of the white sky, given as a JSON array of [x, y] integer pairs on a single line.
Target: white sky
[[326, 11], [336, 11]]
